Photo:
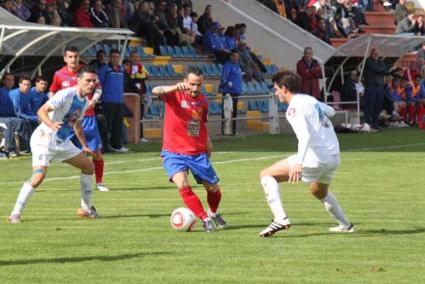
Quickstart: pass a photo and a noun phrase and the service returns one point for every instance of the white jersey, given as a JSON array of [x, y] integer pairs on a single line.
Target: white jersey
[[68, 107], [317, 141]]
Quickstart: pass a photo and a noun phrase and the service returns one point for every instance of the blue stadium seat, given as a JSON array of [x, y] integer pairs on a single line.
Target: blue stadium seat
[[193, 52], [215, 69], [244, 88], [163, 50], [170, 70], [186, 51], [179, 51], [282, 107], [263, 105], [171, 51], [153, 70], [253, 105], [163, 71]]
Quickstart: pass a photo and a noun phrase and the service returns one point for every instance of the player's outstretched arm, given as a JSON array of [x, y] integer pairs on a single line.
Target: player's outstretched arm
[[163, 90]]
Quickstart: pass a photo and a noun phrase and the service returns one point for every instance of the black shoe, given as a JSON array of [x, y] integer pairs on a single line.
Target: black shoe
[[218, 220]]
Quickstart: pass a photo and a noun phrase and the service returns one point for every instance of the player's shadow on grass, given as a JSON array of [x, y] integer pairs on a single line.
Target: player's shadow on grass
[[143, 188], [74, 259], [152, 215]]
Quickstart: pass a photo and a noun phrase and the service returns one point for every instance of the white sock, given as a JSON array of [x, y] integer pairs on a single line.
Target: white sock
[[86, 189], [24, 195], [332, 206], [272, 191]]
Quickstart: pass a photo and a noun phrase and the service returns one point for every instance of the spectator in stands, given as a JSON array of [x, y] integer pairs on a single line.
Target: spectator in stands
[[345, 20], [116, 20], [37, 11], [420, 58], [349, 90], [55, 19], [407, 25], [51, 9], [21, 11], [375, 71], [21, 100], [100, 59], [8, 6], [187, 19], [98, 15], [419, 27], [205, 21], [231, 83], [199, 38], [327, 13], [229, 38], [38, 94], [18, 130], [111, 77], [82, 15], [143, 24], [242, 31], [213, 43], [64, 12], [401, 11], [140, 74], [174, 34], [310, 72], [248, 65], [322, 32]]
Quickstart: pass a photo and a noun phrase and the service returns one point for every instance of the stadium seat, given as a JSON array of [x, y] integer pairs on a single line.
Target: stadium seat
[[186, 51], [252, 105], [171, 51], [163, 50], [193, 52], [179, 51], [170, 70], [263, 105]]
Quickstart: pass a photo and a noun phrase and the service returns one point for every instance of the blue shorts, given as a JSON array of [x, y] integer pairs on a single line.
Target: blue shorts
[[91, 132], [199, 165]]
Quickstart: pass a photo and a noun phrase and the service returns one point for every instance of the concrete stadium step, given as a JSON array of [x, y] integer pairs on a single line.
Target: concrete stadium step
[[380, 18], [338, 41], [406, 60], [379, 29]]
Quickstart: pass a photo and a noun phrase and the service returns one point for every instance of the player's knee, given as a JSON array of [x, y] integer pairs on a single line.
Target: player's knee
[[37, 177], [263, 173], [212, 187], [88, 169]]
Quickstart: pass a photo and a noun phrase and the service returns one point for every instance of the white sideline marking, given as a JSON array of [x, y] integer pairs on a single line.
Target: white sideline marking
[[215, 163]]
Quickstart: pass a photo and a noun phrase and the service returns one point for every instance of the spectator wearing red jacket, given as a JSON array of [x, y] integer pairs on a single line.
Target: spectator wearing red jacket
[[310, 71], [82, 15]]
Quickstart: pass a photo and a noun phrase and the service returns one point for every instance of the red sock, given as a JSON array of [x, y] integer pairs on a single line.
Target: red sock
[[403, 113], [192, 202], [421, 113], [412, 111], [213, 199], [98, 169]]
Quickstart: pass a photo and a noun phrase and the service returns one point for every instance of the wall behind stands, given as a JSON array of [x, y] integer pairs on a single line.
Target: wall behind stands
[[419, 3], [272, 35]]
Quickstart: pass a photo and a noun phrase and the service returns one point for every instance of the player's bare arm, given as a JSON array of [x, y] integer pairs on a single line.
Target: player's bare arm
[[163, 90], [78, 129], [43, 114], [210, 147]]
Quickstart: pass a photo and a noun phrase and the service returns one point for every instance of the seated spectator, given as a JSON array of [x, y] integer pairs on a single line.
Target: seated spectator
[[205, 21], [100, 59], [242, 31], [18, 130], [400, 11], [199, 38], [116, 19], [419, 27], [229, 38], [213, 43], [64, 13], [51, 10], [21, 100], [399, 99], [82, 16], [327, 13], [21, 11], [310, 72], [38, 94], [8, 6], [322, 32], [248, 64], [98, 15], [345, 20], [407, 25], [55, 19], [37, 11], [415, 94]]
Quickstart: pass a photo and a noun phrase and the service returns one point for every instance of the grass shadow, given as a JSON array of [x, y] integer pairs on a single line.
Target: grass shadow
[[75, 259]]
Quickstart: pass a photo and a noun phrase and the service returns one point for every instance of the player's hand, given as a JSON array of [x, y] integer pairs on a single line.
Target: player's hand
[[86, 150], [182, 86], [295, 173], [56, 125]]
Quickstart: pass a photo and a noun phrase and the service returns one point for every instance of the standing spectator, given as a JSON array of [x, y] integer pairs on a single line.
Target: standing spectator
[[38, 94], [100, 59], [310, 72], [231, 83], [98, 15], [205, 21], [401, 11], [116, 20], [20, 98], [82, 16], [375, 71], [21, 11], [16, 127], [112, 79], [140, 74]]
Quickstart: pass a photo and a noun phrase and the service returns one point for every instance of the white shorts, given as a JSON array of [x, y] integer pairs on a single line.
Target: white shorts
[[322, 173], [46, 147]]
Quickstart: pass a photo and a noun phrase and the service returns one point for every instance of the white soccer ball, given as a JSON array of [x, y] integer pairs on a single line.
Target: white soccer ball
[[182, 219]]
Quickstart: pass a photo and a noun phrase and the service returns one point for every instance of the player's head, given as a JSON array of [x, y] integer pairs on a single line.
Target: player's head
[[86, 80], [194, 78], [286, 85], [41, 83], [24, 84], [114, 57], [71, 56], [8, 80]]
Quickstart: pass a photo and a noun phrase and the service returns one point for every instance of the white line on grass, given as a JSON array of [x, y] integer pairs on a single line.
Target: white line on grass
[[215, 163]]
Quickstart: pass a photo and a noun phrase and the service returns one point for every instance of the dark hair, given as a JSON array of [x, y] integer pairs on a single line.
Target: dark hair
[[242, 25], [40, 78], [290, 80], [99, 52], [234, 51], [71, 49], [195, 70], [7, 74], [193, 14], [24, 78], [125, 61], [114, 51], [230, 31], [86, 69], [207, 7]]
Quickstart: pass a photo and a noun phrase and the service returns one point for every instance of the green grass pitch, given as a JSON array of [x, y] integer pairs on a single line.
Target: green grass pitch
[[380, 185]]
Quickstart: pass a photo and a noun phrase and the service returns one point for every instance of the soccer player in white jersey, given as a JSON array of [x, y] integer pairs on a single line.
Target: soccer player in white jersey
[[316, 160], [50, 141]]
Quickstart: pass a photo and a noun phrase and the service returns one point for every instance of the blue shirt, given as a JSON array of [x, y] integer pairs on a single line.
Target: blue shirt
[[231, 79], [37, 99], [229, 42], [22, 105], [6, 105], [212, 42], [112, 82]]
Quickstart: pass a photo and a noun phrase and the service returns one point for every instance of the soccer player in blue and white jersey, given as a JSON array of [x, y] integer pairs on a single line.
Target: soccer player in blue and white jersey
[[317, 158], [59, 116]]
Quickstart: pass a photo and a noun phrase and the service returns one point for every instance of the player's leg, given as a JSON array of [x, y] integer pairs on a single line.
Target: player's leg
[[83, 163], [99, 165], [270, 178], [213, 199], [27, 189]]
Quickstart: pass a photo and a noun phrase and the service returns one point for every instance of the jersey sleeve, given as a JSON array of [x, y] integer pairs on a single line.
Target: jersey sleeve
[[300, 126], [58, 100]]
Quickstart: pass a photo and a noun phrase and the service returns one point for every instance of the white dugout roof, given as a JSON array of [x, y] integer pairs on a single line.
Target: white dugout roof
[[19, 38]]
